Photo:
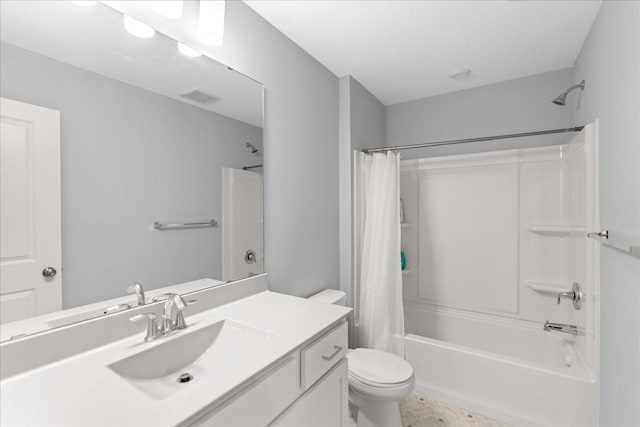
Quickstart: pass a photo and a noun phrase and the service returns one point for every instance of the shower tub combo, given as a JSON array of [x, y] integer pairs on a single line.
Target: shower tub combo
[[517, 374], [491, 239]]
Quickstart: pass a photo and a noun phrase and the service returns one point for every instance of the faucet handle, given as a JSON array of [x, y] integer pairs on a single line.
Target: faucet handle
[[180, 323], [568, 294], [153, 331], [575, 294], [179, 301], [165, 296], [161, 297], [180, 304]]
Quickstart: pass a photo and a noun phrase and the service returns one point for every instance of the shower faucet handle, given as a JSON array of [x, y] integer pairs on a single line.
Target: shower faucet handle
[[575, 294], [568, 294]]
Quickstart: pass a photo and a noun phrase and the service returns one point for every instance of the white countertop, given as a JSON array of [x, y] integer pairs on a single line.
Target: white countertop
[[83, 390]]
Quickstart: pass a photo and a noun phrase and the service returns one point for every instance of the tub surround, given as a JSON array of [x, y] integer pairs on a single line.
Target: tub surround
[[482, 325], [94, 393]]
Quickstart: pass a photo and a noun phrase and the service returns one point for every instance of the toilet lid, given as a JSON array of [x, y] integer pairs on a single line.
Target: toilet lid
[[378, 367]]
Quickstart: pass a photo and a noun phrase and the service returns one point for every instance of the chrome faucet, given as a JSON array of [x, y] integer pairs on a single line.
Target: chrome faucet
[[168, 322], [174, 303], [575, 294], [561, 327], [136, 288]]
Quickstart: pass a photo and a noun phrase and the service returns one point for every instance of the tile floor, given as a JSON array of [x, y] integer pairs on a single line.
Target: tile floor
[[421, 411]]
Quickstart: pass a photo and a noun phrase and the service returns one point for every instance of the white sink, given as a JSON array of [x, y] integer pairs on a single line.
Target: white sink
[[201, 353]]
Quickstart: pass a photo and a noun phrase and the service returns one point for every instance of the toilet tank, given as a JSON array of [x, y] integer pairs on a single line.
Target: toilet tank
[[330, 296]]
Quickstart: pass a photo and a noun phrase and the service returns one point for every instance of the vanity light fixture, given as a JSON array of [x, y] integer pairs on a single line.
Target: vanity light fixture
[[137, 28], [211, 22], [168, 8], [188, 51]]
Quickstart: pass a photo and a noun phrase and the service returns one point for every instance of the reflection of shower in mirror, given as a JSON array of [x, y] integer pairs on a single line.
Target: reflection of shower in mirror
[[193, 116], [252, 148]]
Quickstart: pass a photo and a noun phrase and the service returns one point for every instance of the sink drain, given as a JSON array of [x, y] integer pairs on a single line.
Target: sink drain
[[185, 378]]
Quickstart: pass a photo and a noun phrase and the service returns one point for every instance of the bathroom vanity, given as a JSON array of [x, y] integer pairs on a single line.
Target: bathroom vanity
[[248, 357]]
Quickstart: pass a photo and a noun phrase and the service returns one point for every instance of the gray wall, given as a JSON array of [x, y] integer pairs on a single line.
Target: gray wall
[[362, 125], [300, 151], [130, 157], [512, 106], [610, 64]]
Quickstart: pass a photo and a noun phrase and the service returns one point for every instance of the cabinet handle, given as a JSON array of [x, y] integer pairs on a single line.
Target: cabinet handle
[[334, 354]]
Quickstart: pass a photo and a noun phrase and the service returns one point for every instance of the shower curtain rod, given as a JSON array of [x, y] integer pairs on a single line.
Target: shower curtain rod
[[463, 141]]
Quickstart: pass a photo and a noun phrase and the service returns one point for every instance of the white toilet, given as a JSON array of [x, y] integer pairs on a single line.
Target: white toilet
[[377, 379]]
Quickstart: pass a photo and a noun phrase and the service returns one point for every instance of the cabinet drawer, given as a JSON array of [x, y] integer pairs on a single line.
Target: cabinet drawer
[[319, 356]]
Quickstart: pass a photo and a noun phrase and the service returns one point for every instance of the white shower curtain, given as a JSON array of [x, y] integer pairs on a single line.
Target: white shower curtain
[[380, 317]]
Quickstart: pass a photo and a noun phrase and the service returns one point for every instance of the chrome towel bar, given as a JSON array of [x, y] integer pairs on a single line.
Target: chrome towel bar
[[168, 226], [603, 237]]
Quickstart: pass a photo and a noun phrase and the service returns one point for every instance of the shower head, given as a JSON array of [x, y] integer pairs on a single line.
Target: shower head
[[562, 98], [253, 149]]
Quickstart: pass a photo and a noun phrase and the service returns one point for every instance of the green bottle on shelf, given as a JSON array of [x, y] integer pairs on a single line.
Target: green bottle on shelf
[[403, 261]]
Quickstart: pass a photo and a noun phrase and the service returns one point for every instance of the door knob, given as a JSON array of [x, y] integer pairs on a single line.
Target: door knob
[[49, 272]]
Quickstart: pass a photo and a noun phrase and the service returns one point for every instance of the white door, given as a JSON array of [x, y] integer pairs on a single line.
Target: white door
[[242, 224], [30, 247]]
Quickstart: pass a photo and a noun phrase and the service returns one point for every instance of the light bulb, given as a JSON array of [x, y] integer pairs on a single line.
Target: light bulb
[[211, 22], [137, 28], [188, 51], [168, 8]]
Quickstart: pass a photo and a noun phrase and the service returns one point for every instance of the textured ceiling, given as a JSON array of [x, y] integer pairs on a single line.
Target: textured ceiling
[[404, 50]]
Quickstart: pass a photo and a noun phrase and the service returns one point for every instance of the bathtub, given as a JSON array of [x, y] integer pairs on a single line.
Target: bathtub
[[519, 374]]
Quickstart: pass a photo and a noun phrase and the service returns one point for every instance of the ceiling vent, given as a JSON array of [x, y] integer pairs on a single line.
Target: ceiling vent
[[200, 97]]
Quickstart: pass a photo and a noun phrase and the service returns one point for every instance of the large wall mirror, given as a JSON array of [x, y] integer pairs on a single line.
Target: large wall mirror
[[160, 160]]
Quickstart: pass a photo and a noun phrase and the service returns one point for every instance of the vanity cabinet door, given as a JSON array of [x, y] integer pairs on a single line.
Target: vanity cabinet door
[[260, 402], [325, 404]]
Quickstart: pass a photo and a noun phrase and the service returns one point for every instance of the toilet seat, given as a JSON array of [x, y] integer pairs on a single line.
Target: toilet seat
[[362, 391], [378, 368], [377, 375]]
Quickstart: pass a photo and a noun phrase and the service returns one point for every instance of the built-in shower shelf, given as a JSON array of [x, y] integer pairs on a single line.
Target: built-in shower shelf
[[405, 225], [548, 288], [556, 229]]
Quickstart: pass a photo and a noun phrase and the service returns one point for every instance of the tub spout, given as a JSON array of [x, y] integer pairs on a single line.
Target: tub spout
[[561, 327]]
